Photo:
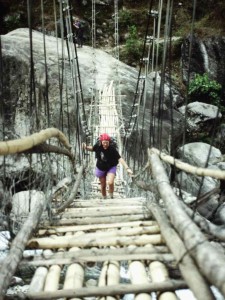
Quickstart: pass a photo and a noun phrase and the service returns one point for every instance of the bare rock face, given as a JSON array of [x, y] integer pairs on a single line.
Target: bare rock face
[[49, 54], [44, 94]]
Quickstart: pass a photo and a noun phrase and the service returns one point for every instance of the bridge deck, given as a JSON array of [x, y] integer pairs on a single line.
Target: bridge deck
[[117, 238]]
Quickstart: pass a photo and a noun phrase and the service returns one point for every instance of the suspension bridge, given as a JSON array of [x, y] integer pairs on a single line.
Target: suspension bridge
[[145, 242]]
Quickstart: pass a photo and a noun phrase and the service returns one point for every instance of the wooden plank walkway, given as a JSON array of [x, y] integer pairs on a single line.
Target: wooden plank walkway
[[115, 235]]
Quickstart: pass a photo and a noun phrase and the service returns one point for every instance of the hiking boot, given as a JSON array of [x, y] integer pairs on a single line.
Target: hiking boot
[[104, 197]]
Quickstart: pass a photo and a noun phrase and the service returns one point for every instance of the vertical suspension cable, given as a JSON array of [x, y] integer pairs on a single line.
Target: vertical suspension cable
[[45, 92], [140, 89], [32, 94], [152, 132], [93, 25], [2, 102], [163, 70], [116, 33]]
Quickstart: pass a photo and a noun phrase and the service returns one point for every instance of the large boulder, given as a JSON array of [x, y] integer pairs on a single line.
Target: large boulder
[[201, 155], [36, 96]]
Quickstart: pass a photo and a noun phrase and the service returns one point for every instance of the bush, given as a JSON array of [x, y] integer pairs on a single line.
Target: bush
[[203, 89], [125, 18], [12, 22], [133, 46]]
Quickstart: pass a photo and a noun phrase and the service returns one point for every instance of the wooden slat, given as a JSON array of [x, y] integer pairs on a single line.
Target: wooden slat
[[119, 289], [95, 220], [57, 242], [102, 211], [63, 229]]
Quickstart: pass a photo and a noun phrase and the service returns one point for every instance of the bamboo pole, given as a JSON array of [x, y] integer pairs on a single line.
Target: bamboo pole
[[159, 273], [52, 278], [218, 174], [74, 275], [60, 242], [110, 275], [102, 234], [189, 270], [20, 145], [166, 257], [96, 220], [120, 289], [210, 261], [38, 280], [48, 255], [11, 262], [138, 275], [63, 229], [73, 192], [102, 211], [208, 227], [110, 202]]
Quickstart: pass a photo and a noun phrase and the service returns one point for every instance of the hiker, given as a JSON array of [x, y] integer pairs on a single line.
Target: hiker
[[107, 159], [79, 33]]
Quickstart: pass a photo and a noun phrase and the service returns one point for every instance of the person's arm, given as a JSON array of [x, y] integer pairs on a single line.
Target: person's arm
[[88, 148], [122, 161]]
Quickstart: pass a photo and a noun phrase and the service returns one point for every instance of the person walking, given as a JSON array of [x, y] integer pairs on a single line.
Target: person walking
[[79, 33], [107, 160]]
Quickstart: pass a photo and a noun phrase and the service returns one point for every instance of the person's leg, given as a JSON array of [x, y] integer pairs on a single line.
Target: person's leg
[[102, 178], [110, 178], [103, 186]]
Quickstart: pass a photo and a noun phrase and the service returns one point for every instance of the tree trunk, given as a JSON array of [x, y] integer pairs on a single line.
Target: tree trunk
[[189, 168], [210, 261], [11, 262], [20, 145], [187, 266]]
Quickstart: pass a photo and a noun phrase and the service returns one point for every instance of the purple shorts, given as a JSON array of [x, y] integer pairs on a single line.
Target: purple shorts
[[100, 173]]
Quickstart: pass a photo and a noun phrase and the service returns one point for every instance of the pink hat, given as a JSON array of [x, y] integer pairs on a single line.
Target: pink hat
[[104, 137]]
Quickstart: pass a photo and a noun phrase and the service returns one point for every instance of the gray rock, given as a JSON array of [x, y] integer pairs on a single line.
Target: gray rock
[[96, 69]]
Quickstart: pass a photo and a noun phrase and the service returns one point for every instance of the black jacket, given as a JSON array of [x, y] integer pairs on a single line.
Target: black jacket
[[106, 158]]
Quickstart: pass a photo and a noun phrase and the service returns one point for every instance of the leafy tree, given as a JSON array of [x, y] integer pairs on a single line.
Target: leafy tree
[[133, 44]]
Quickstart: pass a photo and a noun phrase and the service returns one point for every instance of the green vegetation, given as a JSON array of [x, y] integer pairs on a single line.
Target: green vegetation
[[203, 89], [125, 18], [134, 45], [12, 22]]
